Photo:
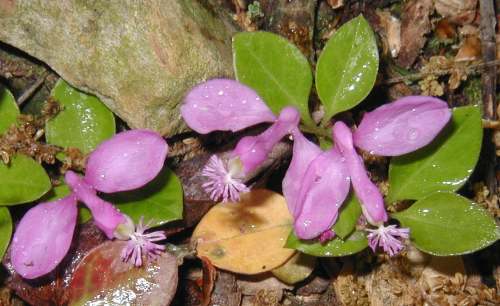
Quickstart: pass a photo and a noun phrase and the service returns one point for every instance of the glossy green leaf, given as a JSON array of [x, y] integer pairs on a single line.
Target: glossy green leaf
[[5, 230], [445, 223], [8, 109], [348, 217], [347, 67], [355, 243], [61, 191], [160, 201], [444, 165], [83, 123], [23, 180], [275, 68]]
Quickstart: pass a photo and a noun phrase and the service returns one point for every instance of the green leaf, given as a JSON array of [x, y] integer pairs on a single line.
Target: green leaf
[[275, 69], [5, 230], [160, 201], [83, 123], [61, 191], [348, 217], [22, 181], [445, 223], [444, 165], [8, 109], [295, 269], [355, 243], [347, 67]]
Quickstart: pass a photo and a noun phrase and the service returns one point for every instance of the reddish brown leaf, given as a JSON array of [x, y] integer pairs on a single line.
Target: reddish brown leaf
[[415, 24], [102, 277], [209, 275]]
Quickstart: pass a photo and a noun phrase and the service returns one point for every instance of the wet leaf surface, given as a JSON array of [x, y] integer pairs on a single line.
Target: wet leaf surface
[[443, 165], [347, 67], [336, 247], [247, 237], [448, 224], [102, 278], [83, 123], [275, 68], [5, 229], [8, 109], [23, 180], [160, 201], [51, 290]]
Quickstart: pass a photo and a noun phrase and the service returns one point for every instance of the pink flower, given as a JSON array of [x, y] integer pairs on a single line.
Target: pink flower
[[127, 161], [226, 105], [317, 182]]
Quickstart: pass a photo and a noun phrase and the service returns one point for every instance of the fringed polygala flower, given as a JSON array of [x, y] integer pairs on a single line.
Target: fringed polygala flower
[[393, 129], [226, 105], [127, 161]]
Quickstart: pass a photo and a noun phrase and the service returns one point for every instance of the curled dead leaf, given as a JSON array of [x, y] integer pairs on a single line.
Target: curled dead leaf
[[247, 237], [470, 49]]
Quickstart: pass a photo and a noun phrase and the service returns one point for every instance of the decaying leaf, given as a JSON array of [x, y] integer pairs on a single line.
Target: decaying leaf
[[391, 30], [247, 237], [415, 24], [263, 286], [102, 278], [470, 49], [296, 269], [458, 11]]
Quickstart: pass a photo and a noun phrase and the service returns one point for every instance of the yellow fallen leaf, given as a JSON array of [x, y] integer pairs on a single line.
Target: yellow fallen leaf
[[247, 237]]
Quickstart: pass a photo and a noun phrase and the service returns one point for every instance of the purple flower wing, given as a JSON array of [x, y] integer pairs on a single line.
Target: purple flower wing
[[43, 237], [223, 105], [304, 152], [253, 150], [127, 161], [372, 202], [402, 126], [106, 216], [325, 187]]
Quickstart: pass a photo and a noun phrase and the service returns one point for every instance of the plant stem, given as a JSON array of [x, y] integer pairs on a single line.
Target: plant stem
[[318, 131]]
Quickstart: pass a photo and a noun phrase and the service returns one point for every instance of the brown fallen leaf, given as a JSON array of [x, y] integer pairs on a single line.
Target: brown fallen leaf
[[262, 285], [415, 23], [102, 278], [51, 289], [209, 276], [391, 32], [457, 11], [226, 292], [247, 237], [470, 49]]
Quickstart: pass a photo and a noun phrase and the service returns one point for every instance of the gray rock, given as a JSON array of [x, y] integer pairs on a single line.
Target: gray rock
[[139, 57]]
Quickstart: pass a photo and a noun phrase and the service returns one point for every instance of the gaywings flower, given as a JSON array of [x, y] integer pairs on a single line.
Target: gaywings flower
[[227, 105], [127, 161], [317, 182]]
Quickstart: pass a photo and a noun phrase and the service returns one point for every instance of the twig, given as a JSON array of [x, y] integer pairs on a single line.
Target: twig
[[439, 72], [489, 81], [32, 89]]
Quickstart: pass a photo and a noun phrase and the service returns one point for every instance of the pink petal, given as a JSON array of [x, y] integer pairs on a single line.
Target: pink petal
[[127, 161], [106, 216], [223, 105], [43, 237], [402, 126], [304, 152], [325, 186], [367, 192], [253, 150]]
